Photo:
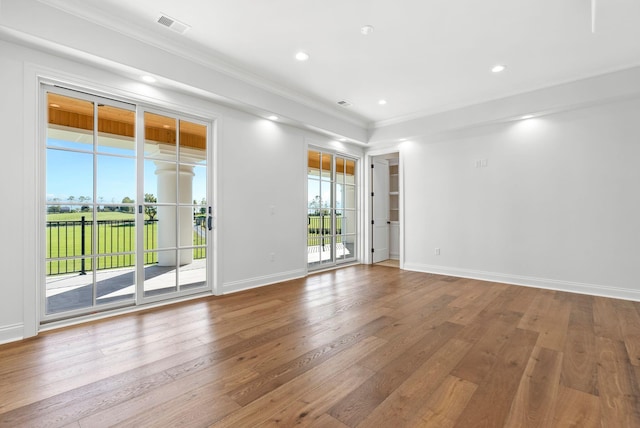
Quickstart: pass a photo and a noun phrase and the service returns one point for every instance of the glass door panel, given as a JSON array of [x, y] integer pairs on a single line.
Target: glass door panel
[[116, 131], [127, 210], [331, 215], [115, 195], [326, 164], [114, 281], [193, 206], [90, 186], [193, 143], [160, 204], [160, 137], [318, 169], [160, 277], [175, 206], [348, 204], [116, 181], [313, 238], [326, 244]]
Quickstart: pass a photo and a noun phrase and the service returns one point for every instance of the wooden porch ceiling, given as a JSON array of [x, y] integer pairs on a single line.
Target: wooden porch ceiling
[[79, 114]]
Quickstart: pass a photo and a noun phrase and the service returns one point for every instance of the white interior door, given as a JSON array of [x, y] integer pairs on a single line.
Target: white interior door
[[380, 204]]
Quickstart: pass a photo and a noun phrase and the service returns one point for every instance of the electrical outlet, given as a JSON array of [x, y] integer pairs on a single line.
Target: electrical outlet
[[437, 251]]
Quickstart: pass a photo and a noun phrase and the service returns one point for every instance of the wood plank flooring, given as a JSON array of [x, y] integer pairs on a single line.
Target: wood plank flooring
[[362, 346]]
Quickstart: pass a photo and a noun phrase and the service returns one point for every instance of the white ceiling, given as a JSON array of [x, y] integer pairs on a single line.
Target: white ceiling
[[424, 57]]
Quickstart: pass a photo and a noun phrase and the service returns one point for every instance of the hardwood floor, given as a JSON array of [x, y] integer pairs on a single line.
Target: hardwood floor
[[389, 263], [366, 346]]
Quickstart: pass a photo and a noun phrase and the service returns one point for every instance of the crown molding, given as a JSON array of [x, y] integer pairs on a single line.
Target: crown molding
[[452, 107], [204, 57], [604, 88]]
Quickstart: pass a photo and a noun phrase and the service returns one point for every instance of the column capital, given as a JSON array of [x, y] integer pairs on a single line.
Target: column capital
[[170, 168]]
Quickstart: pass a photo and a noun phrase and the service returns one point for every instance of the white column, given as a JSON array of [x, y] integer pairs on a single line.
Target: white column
[[166, 173]]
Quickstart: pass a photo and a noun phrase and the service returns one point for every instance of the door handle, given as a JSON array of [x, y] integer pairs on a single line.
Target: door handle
[[210, 222]]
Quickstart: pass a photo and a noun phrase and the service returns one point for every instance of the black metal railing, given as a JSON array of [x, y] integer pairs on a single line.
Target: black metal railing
[[200, 237], [321, 225], [69, 241]]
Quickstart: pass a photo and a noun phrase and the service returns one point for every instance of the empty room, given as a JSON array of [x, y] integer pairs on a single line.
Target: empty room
[[325, 214]]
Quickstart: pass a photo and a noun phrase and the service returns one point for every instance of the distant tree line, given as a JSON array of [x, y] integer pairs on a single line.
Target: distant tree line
[[83, 200], [150, 210]]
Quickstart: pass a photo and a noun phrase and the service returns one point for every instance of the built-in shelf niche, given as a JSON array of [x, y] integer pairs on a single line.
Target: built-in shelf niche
[[394, 191]]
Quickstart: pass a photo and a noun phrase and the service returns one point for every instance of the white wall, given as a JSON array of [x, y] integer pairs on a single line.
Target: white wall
[[12, 193], [260, 169], [558, 204], [263, 202]]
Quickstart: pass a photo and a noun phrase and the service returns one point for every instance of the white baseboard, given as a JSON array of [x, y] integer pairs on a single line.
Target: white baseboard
[[528, 281], [260, 281], [11, 333]]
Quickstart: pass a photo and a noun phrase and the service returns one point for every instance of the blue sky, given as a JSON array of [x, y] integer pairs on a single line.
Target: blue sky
[[71, 174], [314, 189]]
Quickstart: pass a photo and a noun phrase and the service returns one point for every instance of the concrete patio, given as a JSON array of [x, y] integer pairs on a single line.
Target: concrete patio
[[74, 291]]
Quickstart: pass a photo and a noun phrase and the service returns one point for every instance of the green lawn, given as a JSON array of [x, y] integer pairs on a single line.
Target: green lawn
[[314, 230], [65, 240]]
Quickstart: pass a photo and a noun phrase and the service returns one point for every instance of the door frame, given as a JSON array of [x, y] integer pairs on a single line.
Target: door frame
[[36, 79], [368, 211], [358, 228]]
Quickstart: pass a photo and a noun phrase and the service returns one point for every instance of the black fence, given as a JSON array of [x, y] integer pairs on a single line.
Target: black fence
[[72, 239], [321, 225]]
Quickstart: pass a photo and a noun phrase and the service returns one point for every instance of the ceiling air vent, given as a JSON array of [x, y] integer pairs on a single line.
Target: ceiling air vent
[[343, 103], [173, 24]]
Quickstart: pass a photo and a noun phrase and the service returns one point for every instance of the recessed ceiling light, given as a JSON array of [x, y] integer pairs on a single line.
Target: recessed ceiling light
[[527, 116], [302, 56], [366, 30], [273, 117], [149, 79], [342, 140], [382, 102], [498, 68]]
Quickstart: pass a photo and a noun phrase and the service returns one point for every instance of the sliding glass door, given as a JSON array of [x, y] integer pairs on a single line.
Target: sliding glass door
[[90, 230], [331, 209], [126, 204], [177, 218]]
